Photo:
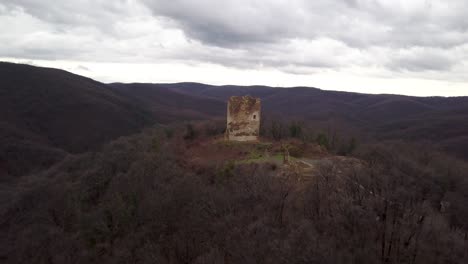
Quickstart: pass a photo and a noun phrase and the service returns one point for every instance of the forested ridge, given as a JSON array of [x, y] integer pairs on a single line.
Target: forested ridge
[[138, 200], [140, 173]]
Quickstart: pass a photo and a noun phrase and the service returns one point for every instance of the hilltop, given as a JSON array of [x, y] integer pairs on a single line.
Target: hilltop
[[181, 194], [141, 173], [287, 157], [47, 113], [437, 120]]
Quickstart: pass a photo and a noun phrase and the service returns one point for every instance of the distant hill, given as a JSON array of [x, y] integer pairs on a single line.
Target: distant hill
[[437, 119], [187, 196], [46, 113], [169, 105]]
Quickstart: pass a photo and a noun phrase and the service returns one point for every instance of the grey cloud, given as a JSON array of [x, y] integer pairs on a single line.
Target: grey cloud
[[102, 15], [225, 23], [423, 59], [233, 23], [296, 36], [358, 23], [69, 12]]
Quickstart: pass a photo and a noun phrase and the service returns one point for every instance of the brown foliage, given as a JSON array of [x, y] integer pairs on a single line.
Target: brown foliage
[[136, 202]]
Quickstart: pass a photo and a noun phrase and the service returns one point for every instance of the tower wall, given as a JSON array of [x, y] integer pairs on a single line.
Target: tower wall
[[243, 118]]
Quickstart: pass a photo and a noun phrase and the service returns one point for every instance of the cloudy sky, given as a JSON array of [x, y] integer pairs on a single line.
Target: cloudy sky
[[414, 47]]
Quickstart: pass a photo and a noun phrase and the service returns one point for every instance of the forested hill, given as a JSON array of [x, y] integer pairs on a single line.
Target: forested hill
[[187, 196], [141, 173], [439, 120], [46, 113]]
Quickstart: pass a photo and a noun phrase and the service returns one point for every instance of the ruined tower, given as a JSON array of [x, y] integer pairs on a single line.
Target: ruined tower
[[243, 118]]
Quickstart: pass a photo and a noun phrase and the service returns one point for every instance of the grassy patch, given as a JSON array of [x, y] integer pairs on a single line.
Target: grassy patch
[[276, 158]]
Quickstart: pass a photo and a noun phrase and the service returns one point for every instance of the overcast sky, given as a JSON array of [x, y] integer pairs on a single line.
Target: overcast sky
[[414, 47]]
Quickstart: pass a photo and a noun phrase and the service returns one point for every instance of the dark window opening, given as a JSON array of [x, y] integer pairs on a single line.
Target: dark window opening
[[255, 116]]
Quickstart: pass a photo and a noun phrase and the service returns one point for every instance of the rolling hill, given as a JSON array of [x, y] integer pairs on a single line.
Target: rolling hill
[[439, 120], [168, 105], [46, 113]]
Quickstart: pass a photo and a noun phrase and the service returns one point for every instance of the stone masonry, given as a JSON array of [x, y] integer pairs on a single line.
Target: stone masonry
[[243, 118]]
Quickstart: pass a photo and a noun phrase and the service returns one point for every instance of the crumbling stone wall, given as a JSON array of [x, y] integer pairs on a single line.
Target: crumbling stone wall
[[243, 118]]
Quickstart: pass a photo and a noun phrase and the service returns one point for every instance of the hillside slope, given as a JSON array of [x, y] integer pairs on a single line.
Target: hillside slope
[[436, 119], [45, 112], [154, 198], [171, 105]]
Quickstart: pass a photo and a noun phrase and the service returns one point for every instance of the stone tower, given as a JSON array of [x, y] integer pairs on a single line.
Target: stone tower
[[243, 118]]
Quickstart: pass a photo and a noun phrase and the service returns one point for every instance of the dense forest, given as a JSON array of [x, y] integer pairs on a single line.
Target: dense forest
[[137, 201], [140, 173]]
